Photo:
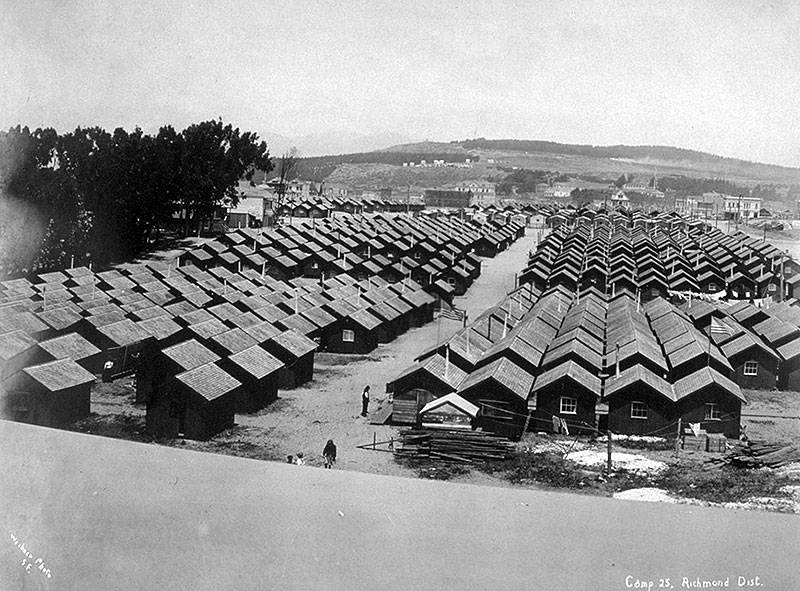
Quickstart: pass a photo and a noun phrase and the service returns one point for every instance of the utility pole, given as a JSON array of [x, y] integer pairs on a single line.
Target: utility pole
[[678, 438]]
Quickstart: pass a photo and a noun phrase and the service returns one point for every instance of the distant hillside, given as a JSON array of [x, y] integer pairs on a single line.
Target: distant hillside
[[493, 159], [652, 156]]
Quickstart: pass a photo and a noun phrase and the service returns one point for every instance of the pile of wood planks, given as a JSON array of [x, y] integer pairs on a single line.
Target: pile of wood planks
[[760, 454], [453, 445]]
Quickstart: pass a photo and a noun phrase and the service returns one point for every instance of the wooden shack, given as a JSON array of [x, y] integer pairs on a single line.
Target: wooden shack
[[53, 394], [195, 404], [296, 351], [356, 333], [162, 367], [258, 372]]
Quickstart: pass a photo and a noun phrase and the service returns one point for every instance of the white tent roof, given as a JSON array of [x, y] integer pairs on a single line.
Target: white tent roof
[[459, 402]]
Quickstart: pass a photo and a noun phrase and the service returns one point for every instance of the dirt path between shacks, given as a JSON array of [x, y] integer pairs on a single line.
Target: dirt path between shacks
[[329, 406]]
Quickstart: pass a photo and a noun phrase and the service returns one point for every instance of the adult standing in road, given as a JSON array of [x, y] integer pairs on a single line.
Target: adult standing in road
[[329, 453], [364, 401]]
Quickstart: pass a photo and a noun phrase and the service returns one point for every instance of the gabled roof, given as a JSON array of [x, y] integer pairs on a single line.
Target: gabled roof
[[506, 373], [745, 342], [639, 374], [437, 366], [572, 371], [702, 378], [455, 400]]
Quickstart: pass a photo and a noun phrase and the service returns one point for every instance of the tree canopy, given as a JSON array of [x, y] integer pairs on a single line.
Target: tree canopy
[[91, 193]]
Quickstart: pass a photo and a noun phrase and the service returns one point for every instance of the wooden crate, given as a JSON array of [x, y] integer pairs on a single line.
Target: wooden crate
[[690, 442], [717, 443]]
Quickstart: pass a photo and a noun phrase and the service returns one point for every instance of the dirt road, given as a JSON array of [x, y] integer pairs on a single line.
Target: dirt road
[[329, 406]]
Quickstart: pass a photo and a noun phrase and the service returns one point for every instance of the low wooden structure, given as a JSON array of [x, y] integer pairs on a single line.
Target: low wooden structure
[[52, 394], [196, 404]]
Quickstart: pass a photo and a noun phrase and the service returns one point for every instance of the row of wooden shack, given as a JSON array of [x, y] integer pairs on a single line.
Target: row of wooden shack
[[440, 253], [181, 330], [656, 258], [585, 362]]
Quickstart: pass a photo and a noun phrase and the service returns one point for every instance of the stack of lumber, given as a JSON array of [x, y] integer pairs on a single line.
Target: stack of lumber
[[760, 454], [453, 445], [757, 454]]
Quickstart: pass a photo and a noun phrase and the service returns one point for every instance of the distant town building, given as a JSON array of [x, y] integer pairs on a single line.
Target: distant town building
[[447, 198], [483, 192]]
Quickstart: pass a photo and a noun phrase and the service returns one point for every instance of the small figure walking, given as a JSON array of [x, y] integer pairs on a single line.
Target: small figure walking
[[329, 453], [364, 401]]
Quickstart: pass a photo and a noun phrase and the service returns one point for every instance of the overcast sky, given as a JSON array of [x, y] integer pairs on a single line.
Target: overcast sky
[[721, 77]]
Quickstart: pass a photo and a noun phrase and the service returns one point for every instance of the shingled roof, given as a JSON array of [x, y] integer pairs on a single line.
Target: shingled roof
[[504, 372], [256, 361], [59, 375], [702, 378], [190, 354], [209, 381]]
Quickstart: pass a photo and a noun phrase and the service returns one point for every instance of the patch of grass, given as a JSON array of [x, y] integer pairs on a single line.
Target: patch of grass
[[547, 468], [119, 426], [725, 485], [434, 469], [659, 445]]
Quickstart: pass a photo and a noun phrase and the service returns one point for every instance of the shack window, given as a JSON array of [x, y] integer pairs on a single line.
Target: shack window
[[751, 368], [772, 287], [638, 410], [712, 287], [348, 336], [712, 411], [568, 405]]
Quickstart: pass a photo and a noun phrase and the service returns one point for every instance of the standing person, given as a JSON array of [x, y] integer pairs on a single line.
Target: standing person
[[364, 401], [329, 453]]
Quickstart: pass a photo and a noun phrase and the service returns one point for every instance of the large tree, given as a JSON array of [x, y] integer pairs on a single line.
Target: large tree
[[213, 160]]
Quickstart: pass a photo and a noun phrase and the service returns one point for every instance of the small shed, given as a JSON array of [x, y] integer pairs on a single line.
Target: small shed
[[53, 394], [157, 372], [257, 371], [296, 351], [356, 333], [195, 404]]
